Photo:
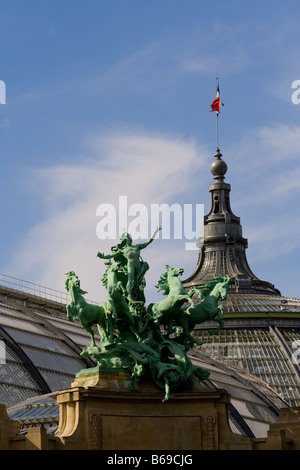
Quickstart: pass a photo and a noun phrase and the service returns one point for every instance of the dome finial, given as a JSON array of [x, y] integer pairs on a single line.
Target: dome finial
[[218, 168]]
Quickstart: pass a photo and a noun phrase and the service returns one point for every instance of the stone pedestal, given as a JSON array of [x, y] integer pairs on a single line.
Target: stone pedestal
[[285, 432], [109, 411], [8, 428]]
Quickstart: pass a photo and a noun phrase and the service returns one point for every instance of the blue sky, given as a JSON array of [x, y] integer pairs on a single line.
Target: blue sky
[[110, 98]]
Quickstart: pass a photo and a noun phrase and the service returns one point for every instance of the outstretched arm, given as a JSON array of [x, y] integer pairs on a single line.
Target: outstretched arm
[[103, 256], [146, 243]]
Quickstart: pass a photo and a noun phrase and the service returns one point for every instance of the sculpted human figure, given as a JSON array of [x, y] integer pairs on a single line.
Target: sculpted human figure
[[135, 266]]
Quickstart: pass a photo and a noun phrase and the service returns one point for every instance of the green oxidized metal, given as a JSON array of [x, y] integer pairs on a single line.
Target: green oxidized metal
[[147, 341]]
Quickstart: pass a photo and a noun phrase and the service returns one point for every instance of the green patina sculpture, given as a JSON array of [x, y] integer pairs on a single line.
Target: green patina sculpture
[[148, 341], [88, 314], [131, 264]]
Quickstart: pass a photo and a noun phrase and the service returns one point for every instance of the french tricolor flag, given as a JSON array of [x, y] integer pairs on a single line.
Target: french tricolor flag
[[215, 106]]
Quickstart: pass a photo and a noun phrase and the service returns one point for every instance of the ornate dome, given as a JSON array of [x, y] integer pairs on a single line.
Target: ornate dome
[[262, 327]]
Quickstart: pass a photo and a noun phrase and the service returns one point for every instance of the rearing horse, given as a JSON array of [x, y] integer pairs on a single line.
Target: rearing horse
[[207, 308], [165, 310], [117, 307], [87, 314]]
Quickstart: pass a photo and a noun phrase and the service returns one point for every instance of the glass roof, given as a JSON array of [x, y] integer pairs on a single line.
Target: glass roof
[[238, 303], [253, 404], [41, 410], [42, 349], [265, 352]]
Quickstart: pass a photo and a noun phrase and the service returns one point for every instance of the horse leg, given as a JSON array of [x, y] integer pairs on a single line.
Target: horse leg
[[186, 331], [111, 328], [156, 313], [187, 298], [105, 328], [190, 300], [71, 313], [219, 318], [89, 329]]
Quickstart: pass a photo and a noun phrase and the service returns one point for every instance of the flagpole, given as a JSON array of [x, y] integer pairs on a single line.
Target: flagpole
[[217, 114], [217, 121], [215, 106]]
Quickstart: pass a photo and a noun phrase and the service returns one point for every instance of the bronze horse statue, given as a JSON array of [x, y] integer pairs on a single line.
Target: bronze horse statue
[[88, 314], [176, 296], [172, 313], [207, 309]]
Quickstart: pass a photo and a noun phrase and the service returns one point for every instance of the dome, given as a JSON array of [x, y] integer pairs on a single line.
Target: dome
[[261, 332]]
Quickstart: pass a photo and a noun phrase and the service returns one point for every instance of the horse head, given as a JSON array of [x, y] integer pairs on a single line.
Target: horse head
[[167, 279], [223, 286], [174, 271], [73, 283]]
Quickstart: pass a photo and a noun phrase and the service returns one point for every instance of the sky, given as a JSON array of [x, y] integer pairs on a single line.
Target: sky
[[111, 98]]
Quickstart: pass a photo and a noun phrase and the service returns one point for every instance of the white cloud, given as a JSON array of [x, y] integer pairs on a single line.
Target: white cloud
[[146, 168], [153, 168]]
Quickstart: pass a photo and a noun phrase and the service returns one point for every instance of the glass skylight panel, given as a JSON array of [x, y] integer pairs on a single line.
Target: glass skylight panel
[[57, 380], [45, 342], [11, 395], [47, 360]]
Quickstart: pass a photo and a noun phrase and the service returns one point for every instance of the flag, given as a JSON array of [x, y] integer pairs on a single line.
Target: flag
[[215, 106]]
